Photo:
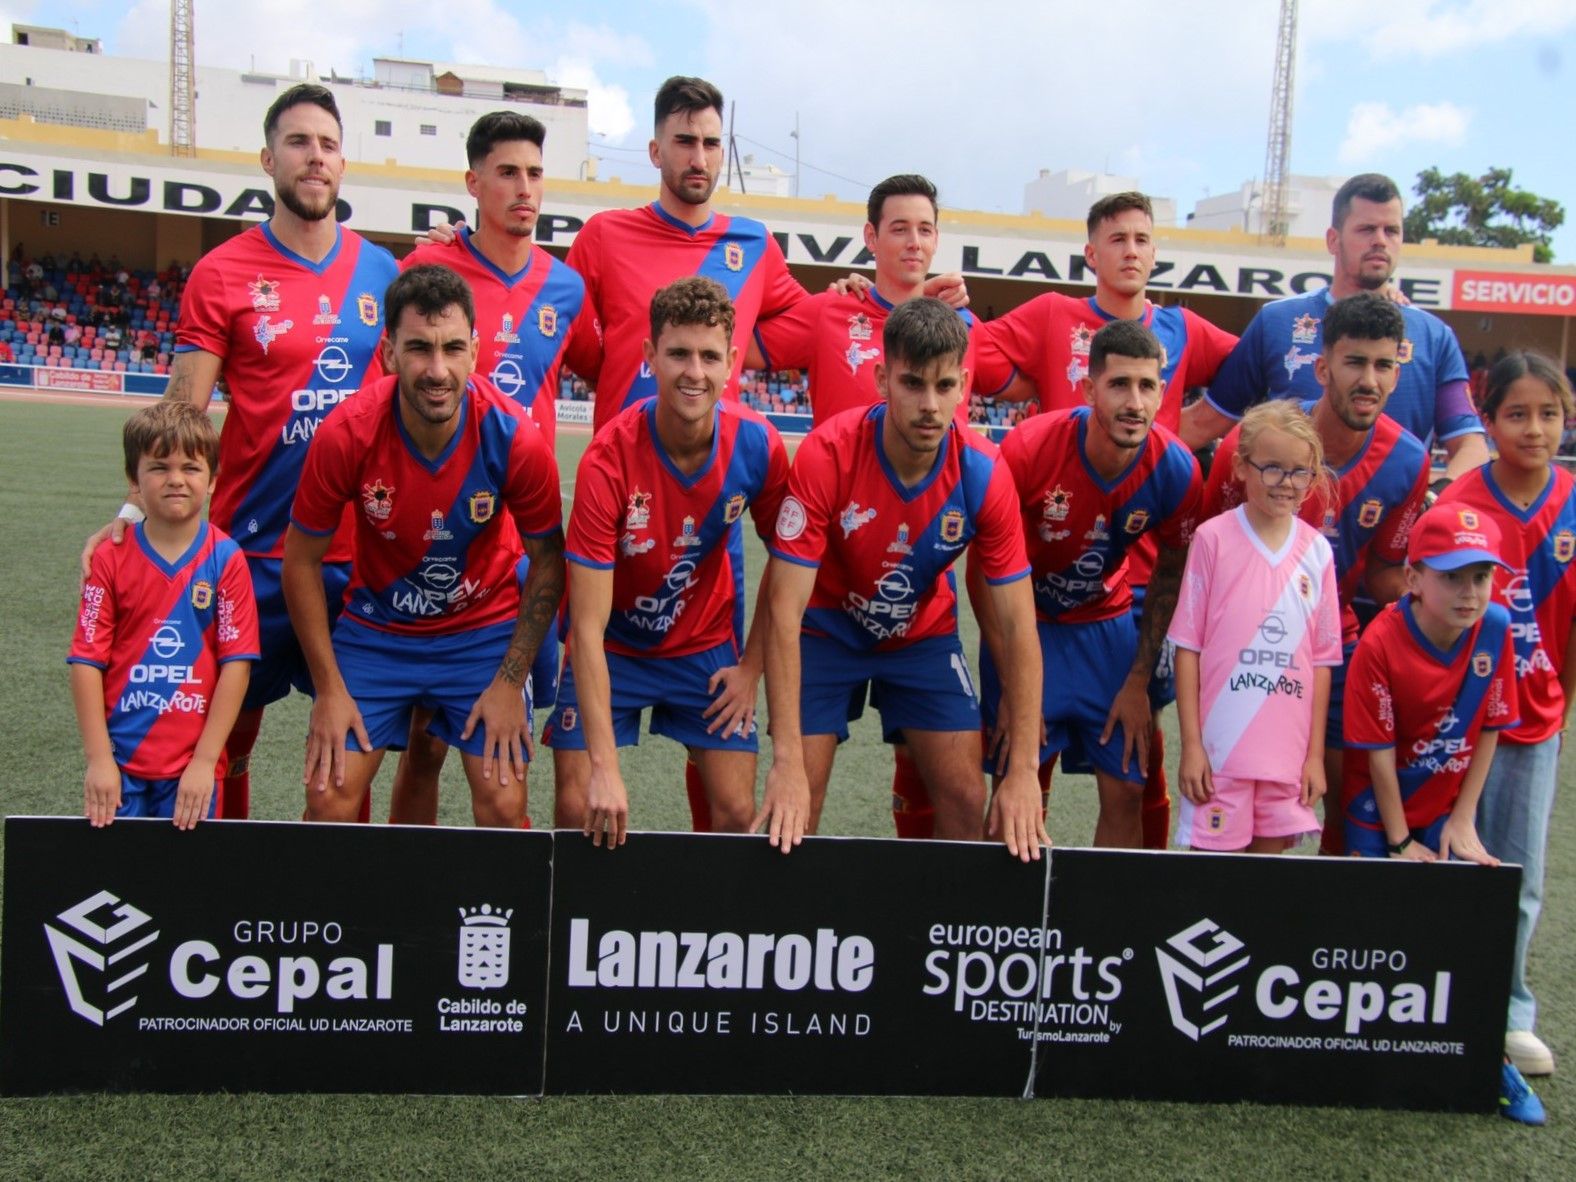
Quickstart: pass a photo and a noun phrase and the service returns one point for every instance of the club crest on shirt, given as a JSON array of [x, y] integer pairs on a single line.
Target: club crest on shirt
[[1057, 503], [1482, 664], [325, 311], [506, 334], [1217, 818], [687, 537], [547, 320], [266, 333], [1370, 512], [1305, 329], [439, 531], [1564, 546], [638, 513], [568, 718], [952, 526], [377, 499], [1080, 339], [265, 295], [859, 327], [1304, 586], [367, 309], [1404, 353], [202, 594], [482, 505], [734, 509], [853, 518], [1329, 527], [1136, 521], [733, 257]]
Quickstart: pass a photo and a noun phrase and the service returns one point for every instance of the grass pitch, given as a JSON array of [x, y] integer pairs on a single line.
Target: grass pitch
[[59, 480]]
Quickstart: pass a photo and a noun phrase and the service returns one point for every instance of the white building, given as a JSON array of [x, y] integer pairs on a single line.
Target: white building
[[1308, 201], [764, 180], [1070, 193], [415, 113]]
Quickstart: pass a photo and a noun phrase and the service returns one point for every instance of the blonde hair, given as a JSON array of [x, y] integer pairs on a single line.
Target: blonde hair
[[1286, 416]]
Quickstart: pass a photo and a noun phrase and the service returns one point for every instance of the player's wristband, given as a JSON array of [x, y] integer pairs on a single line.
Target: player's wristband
[[1400, 846], [131, 513]]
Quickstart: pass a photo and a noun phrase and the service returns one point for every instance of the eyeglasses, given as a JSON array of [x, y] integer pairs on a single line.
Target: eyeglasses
[[1274, 475]]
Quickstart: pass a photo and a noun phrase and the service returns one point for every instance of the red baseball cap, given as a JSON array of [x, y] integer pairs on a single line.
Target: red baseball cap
[[1448, 537]]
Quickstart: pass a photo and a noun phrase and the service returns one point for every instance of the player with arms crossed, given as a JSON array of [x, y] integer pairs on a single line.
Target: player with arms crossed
[[1527, 402], [1257, 629], [289, 314], [656, 581], [532, 318], [430, 459], [1278, 352], [837, 337], [1041, 348], [882, 502], [1090, 483], [1379, 480], [166, 634]]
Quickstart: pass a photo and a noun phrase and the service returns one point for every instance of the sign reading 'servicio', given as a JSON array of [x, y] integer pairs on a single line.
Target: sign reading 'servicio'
[[1043, 254], [272, 957]]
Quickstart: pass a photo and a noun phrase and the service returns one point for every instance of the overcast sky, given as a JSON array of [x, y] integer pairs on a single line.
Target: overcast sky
[[979, 96]]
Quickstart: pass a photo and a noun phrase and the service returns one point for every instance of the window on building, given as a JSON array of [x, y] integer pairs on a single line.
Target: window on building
[[382, 127], [429, 129]]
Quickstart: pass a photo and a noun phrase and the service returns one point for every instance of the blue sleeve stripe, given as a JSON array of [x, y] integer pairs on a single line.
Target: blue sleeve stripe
[[809, 562], [316, 533], [582, 560], [101, 666], [1370, 746], [241, 657], [1502, 726], [541, 533], [1005, 579], [1235, 418], [1462, 425], [1011, 377]]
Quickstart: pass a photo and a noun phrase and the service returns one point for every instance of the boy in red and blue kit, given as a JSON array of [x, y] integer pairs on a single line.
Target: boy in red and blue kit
[[165, 636]]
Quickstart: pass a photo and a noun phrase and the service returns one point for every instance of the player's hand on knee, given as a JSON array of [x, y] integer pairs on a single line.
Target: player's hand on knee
[[334, 715], [193, 793], [1131, 712], [506, 736], [785, 808], [101, 792], [734, 690], [607, 808], [1193, 771]]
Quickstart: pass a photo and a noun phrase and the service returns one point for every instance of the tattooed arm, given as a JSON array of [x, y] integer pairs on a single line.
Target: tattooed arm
[[1131, 708]]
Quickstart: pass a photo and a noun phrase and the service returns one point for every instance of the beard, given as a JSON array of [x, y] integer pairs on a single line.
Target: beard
[[291, 200]]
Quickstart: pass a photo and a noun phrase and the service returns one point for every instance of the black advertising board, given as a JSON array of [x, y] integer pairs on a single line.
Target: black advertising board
[[277, 957], [718, 965], [1296, 980]]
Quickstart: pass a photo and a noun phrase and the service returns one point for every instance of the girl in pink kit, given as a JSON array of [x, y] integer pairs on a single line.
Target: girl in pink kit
[[1257, 629]]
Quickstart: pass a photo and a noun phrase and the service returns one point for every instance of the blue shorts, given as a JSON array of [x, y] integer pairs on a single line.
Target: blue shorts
[[153, 798], [674, 688], [1363, 841], [1336, 718], [282, 665], [1084, 668], [389, 675], [923, 686], [544, 670]]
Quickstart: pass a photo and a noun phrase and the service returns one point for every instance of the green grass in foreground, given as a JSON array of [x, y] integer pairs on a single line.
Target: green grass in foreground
[[59, 481]]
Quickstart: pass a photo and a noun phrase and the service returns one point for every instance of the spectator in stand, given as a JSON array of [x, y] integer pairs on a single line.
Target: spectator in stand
[[113, 336], [57, 334], [73, 333], [6, 357]]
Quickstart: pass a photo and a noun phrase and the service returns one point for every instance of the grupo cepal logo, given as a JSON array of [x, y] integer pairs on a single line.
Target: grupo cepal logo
[[93, 949], [1345, 991], [1032, 977]]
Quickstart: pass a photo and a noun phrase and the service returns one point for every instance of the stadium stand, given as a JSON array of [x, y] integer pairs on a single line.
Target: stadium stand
[[76, 314]]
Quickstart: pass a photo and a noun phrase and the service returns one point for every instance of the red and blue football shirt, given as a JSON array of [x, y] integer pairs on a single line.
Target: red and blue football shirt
[[838, 338], [529, 325], [1367, 508], [436, 550], [1047, 340], [626, 256], [1431, 705], [673, 541], [1079, 527], [883, 550], [159, 631], [1539, 544], [295, 337]]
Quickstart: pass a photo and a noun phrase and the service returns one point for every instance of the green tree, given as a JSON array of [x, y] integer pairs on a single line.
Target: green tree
[[1488, 210]]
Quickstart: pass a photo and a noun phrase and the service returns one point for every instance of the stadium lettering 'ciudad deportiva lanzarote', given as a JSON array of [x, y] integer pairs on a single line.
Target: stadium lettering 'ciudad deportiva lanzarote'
[[432, 439]]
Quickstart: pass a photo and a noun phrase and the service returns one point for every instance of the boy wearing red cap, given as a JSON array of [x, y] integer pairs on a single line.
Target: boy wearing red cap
[[1430, 686]]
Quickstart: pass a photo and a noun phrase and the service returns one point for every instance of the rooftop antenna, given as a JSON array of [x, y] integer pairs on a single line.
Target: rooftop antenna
[[733, 150]]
